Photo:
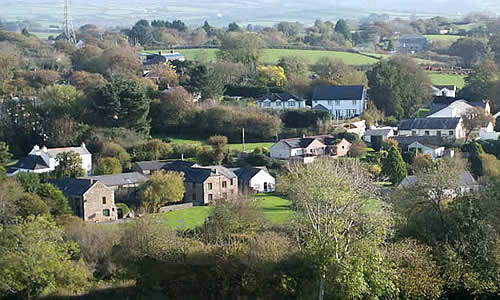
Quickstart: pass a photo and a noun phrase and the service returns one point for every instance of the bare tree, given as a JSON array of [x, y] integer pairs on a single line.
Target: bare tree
[[475, 118]]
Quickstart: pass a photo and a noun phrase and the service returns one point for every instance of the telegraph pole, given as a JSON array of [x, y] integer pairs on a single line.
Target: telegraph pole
[[243, 137]]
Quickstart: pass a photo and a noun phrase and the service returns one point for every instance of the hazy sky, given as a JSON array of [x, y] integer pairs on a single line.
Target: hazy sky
[[122, 12]]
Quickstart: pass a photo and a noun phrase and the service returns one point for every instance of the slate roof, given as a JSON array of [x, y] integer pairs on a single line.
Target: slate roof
[[52, 152], [31, 162], [463, 104], [426, 140], [429, 123], [303, 142], [321, 107], [338, 92], [432, 146], [73, 186], [120, 179], [196, 173], [154, 165], [246, 174], [378, 131], [465, 179], [280, 96]]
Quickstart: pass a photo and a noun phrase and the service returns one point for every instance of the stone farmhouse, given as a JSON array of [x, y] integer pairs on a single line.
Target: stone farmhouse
[[90, 199]]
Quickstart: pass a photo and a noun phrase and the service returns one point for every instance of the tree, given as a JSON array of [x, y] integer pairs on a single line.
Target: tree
[[29, 181], [31, 205], [294, 65], [162, 188], [86, 81], [289, 29], [342, 28], [59, 100], [233, 27], [164, 76], [107, 166], [422, 163], [35, 259], [393, 166], [335, 228], [5, 155], [479, 85], [494, 43], [64, 131], [472, 51], [116, 151], [242, 48], [337, 72], [153, 149], [172, 111], [10, 193], [140, 33], [372, 115], [475, 151], [56, 201], [219, 145], [123, 103], [358, 148], [399, 87], [475, 118], [69, 164], [271, 76]]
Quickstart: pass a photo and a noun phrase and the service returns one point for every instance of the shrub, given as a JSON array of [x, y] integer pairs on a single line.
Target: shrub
[[376, 142], [391, 121], [123, 208], [358, 148]]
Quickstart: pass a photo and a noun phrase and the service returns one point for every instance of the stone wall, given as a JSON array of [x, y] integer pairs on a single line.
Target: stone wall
[[94, 205], [175, 207]]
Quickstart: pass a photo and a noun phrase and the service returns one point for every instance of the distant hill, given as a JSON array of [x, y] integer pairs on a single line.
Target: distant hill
[[221, 12]]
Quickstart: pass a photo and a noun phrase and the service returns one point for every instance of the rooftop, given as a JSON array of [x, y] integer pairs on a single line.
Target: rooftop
[[338, 92], [120, 179], [429, 123]]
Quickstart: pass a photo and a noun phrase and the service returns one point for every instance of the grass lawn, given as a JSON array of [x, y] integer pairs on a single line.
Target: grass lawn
[[271, 56], [249, 147], [447, 79], [441, 37], [276, 209]]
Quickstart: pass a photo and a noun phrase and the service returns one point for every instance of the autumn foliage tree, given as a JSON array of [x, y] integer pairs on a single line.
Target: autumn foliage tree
[[162, 188]]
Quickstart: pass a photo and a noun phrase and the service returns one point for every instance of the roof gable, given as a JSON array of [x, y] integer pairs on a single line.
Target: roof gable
[[338, 92], [31, 162], [73, 186]]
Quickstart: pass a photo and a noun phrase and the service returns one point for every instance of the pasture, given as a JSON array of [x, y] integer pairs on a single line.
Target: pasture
[[447, 79]]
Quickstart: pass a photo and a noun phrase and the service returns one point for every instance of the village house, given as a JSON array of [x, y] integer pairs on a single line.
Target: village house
[[464, 182], [204, 184], [446, 128], [444, 91], [43, 160], [305, 149], [125, 185], [342, 102], [385, 132], [255, 179], [455, 108], [281, 101], [90, 199], [433, 150], [161, 58], [412, 43]]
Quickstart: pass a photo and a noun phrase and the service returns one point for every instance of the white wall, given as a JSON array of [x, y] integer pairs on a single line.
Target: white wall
[[267, 104], [257, 182], [342, 108]]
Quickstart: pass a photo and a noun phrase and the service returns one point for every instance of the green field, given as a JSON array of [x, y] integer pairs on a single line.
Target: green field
[[249, 147], [275, 208], [44, 35], [271, 56], [441, 37], [447, 79]]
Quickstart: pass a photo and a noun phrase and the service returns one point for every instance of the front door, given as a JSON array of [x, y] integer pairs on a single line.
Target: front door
[[265, 186]]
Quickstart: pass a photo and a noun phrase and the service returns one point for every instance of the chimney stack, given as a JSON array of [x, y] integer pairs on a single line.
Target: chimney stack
[[44, 149]]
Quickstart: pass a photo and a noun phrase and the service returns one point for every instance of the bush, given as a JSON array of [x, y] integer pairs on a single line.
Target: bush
[[375, 169], [376, 142], [389, 143], [154, 149], [350, 137], [358, 148], [123, 208], [107, 166], [391, 121]]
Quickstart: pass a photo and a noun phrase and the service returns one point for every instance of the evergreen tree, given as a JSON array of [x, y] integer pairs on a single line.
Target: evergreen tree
[[342, 28], [393, 166], [475, 161]]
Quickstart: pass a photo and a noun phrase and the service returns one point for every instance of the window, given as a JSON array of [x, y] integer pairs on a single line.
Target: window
[[427, 132], [353, 102], [330, 102], [278, 103], [209, 186], [232, 181], [337, 102], [103, 200], [291, 103], [194, 196], [224, 184], [210, 197], [267, 104], [438, 133], [105, 212], [413, 132], [451, 132]]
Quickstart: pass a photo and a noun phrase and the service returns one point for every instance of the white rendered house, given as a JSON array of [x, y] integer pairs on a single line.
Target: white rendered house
[[43, 160], [281, 101], [342, 102]]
